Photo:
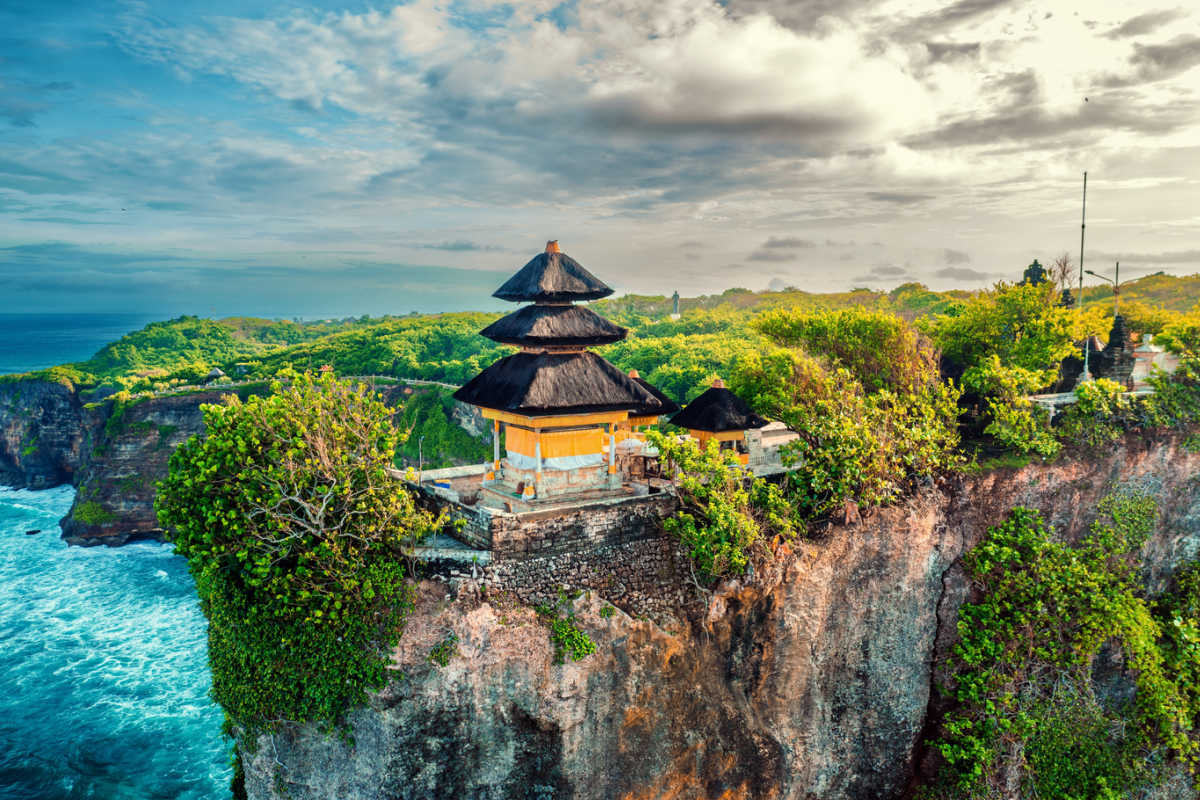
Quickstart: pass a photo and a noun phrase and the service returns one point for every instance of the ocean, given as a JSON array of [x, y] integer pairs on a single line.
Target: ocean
[[103, 674], [36, 341]]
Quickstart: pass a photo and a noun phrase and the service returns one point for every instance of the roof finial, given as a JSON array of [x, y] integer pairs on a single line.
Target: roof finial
[[718, 383], [633, 373], [552, 246]]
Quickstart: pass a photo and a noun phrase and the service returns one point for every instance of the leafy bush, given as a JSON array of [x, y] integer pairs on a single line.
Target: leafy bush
[[565, 634], [1022, 325], [444, 650], [91, 512], [1101, 413], [725, 513], [852, 446], [296, 537], [879, 349], [1023, 662]]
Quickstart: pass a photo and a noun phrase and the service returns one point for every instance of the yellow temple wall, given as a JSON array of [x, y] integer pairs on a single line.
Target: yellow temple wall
[[555, 443]]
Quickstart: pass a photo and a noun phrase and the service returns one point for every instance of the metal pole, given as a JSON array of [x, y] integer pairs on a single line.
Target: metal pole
[[1087, 339], [1117, 292], [420, 457]]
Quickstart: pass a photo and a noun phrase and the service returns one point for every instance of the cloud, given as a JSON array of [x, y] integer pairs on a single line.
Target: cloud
[[787, 243], [461, 246], [961, 274], [955, 256], [1145, 23], [1169, 257], [772, 256]]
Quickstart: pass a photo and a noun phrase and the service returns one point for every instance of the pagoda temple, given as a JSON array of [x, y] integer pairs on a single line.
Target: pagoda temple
[[560, 407], [720, 414]]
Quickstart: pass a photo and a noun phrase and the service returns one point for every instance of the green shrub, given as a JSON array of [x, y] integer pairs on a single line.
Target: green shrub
[[91, 512], [297, 538], [1103, 410], [725, 513], [1022, 666], [565, 634], [444, 650], [852, 446]]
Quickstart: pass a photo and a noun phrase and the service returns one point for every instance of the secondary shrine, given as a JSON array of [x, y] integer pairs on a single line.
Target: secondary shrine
[[560, 409]]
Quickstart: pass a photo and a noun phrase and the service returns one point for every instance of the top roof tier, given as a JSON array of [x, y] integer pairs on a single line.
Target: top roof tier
[[552, 277]]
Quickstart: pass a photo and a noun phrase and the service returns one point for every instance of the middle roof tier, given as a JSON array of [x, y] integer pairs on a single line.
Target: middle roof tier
[[541, 325]]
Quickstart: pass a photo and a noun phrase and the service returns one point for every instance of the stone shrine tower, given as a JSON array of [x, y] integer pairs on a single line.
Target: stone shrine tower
[[559, 406]]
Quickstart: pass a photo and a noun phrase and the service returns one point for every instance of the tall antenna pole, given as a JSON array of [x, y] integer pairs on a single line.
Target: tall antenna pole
[[1087, 339]]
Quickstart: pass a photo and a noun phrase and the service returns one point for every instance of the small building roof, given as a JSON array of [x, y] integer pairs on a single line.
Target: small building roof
[[555, 383], [718, 410], [214, 373], [559, 325], [552, 277], [667, 405]]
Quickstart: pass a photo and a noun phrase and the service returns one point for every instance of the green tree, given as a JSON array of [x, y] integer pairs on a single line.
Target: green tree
[[726, 513], [296, 536], [1022, 325]]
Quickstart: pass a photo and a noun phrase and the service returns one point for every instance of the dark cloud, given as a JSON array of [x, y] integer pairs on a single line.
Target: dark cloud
[[930, 25], [771, 255], [787, 243], [961, 274], [1145, 23], [899, 198], [951, 51], [955, 256], [1028, 121], [461, 246], [1156, 62]]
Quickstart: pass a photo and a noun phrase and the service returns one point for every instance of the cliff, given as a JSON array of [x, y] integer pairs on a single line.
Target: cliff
[[43, 427], [813, 679], [113, 452], [129, 453]]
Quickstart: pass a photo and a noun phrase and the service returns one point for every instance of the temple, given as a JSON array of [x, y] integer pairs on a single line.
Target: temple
[[561, 411]]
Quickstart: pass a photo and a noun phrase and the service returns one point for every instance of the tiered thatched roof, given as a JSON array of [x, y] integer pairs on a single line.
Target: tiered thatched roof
[[556, 383], [718, 410], [552, 277], [554, 325]]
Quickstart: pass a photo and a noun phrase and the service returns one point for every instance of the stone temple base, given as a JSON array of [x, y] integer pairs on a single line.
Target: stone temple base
[[554, 483]]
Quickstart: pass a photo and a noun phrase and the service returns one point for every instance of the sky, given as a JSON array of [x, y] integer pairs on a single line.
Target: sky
[[299, 159]]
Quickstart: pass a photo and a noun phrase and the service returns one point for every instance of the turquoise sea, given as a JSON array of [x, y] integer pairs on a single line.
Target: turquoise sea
[[103, 678]]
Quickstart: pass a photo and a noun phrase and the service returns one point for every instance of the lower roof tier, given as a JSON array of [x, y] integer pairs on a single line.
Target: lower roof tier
[[557, 383]]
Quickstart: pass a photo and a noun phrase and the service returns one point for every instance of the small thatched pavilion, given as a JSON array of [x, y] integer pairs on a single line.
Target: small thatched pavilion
[[559, 404], [720, 414]]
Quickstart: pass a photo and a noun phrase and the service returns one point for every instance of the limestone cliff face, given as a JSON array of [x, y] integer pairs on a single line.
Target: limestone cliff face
[[115, 500], [813, 679], [43, 427]]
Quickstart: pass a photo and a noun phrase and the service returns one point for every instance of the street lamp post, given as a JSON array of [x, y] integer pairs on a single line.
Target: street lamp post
[[1116, 284], [420, 457]]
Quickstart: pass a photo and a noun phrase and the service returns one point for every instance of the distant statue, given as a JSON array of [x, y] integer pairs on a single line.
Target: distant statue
[[675, 304], [1035, 274], [1067, 300]]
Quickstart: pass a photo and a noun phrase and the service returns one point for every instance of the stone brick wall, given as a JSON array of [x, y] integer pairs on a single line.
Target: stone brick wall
[[580, 529], [644, 578], [615, 548]]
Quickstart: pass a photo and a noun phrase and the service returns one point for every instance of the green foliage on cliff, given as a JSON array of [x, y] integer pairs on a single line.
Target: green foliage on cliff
[[857, 445], [725, 514], [91, 512], [1023, 665], [296, 537], [565, 634], [431, 436]]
